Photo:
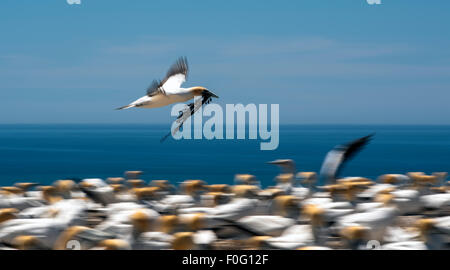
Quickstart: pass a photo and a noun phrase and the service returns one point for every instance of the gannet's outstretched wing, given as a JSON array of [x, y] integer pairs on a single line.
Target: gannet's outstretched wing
[[154, 89], [176, 75], [340, 154]]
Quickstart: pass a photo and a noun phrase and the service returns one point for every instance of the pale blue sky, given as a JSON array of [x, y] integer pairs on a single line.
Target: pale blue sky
[[322, 61]]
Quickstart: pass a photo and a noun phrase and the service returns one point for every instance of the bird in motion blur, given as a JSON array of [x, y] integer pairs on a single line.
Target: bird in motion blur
[[169, 91], [339, 155]]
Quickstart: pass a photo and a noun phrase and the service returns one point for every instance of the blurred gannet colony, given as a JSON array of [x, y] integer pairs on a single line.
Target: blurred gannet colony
[[302, 210]]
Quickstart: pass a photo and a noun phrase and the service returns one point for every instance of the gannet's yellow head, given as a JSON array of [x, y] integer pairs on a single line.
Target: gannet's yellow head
[[135, 183], [425, 225], [307, 177], [212, 199], [118, 187], [115, 180], [257, 242], [271, 193], [193, 222], [245, 191], [64, 187], [355, 233], [385, 196], [12, 190], [144, 193], [286, 165], [26, 242], [422, 180], [141, 221], [335, 190], [286, 204], [388, 179], [219, 188], [245, 179], [355, 236], [168, 223], [314, 213], [25, 186], [183, 241], [192, 187], [162, 184], [7, 214], [49, 193], [353, 188], [202, 91], [419, 179], [114, 244], [284, 178], [442, 189]]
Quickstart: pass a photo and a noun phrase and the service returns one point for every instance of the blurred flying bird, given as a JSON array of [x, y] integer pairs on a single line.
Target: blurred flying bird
[[338, 156], [169, 90]]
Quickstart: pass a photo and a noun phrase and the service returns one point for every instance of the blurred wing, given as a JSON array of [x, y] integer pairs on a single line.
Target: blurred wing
[[154, 89], [340, 154], [175, 76], [331, 164], [356, 146]]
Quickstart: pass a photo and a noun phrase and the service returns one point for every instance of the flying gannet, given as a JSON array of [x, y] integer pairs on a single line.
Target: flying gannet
[[169, 90], [340, 154]]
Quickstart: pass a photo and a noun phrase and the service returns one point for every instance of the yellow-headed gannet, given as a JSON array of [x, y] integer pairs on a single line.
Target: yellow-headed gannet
[[169, 90]]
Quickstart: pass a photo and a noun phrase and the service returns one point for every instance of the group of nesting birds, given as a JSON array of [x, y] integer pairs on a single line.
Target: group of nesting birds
[[398, 211]]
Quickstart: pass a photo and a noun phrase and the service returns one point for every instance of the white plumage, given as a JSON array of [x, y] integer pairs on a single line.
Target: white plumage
[[169, 90]]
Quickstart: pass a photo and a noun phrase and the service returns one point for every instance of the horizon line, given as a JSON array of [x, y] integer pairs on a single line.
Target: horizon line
[[287, 124]]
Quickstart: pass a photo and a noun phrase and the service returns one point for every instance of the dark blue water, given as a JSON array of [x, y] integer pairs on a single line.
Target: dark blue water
[[44, 153]]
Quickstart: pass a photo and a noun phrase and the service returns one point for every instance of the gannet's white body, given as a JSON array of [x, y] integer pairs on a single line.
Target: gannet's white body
[[169, 90]]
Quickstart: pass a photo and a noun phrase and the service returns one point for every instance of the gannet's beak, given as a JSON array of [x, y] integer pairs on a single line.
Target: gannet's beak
[[212, 94], [276, 162]]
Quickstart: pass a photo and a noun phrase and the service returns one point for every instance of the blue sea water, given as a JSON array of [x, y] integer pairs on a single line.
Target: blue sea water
[[45, 153]]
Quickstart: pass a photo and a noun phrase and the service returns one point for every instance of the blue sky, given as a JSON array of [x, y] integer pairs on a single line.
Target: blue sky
[[322, 61]]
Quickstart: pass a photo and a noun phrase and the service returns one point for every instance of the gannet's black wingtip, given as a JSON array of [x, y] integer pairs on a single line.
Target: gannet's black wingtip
[[369, 137]]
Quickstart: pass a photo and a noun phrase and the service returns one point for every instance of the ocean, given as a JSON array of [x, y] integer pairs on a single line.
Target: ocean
[[45, 153]]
